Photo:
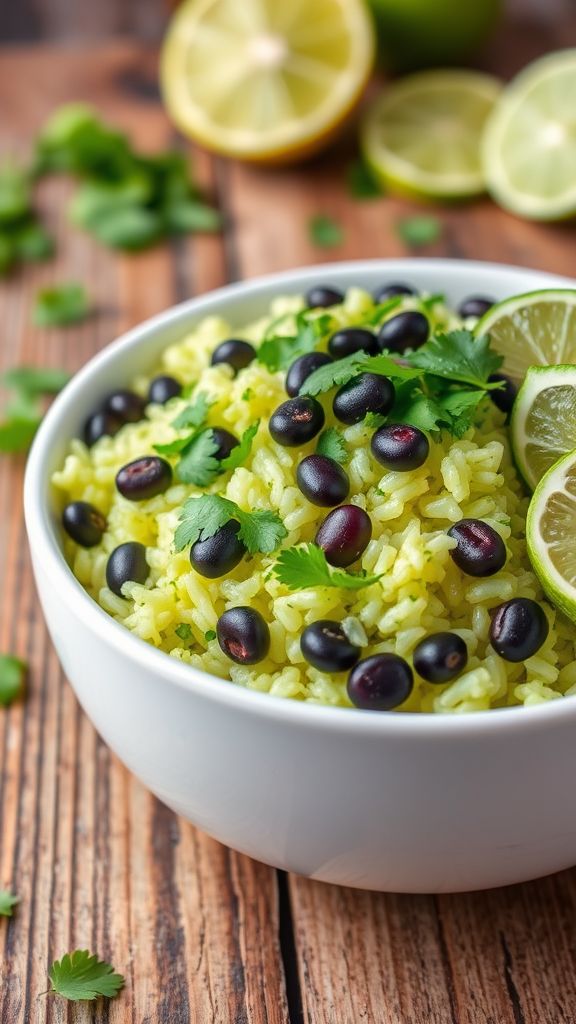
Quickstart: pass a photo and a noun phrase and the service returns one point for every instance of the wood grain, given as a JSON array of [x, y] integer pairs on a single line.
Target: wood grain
[[201, 933]]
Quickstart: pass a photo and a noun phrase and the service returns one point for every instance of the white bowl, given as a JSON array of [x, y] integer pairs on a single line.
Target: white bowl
[[404, 803]]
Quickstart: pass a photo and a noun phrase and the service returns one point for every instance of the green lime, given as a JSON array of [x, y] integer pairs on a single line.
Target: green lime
[[529, 146], [415, 34], [420, 136], [543, 426], [536, 329], [550, 533]]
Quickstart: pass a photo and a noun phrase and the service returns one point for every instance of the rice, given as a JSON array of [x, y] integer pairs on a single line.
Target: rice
[[421, 590]]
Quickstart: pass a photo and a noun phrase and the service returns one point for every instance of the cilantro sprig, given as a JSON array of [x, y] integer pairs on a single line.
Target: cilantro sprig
[[200, 518], [458, 357], [306, 566], [332, 444], [61, 305], [278, 351], [82, 976], [7, 903], [341, 371], [23, 413]]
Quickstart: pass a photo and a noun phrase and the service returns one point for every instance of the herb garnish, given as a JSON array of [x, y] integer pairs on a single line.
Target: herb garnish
[[61, 305], [276, 353], [419, 230], [361, 181], [7, 902], [184, 631], [201, 517], [12, 676], [324, 231], [306, 566], [459, 357], [22, 236], [81, 975], [342, 370], [332, 444]]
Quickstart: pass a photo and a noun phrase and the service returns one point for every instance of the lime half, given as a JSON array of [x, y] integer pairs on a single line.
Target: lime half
[[421, 135], [265, 80], [551, 534], [537, 329], [543, 426], [529, 146]]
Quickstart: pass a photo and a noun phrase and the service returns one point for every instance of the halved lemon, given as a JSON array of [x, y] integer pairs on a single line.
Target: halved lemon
[[421, 135], [536, 329], [265, 80], [551, 534], [529, 146], [543, 426]]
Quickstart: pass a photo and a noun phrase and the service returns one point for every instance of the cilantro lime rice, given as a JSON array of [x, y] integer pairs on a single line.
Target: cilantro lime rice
[[322, 505]]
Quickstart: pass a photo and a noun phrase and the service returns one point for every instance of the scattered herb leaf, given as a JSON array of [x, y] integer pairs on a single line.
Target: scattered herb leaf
[[201, 517], [184, 631], [361, 181], [209, 635], [306, 566], [241, 451], [247, 395], [342, 370], [194, 415], [332, 444], [36, 380], [420, 230], [276, 353], [17, 434], [325, 231], [197, 464], [12, 676], [62, 305], [7, 902], [382, 309], [81, 975], [458, 356]]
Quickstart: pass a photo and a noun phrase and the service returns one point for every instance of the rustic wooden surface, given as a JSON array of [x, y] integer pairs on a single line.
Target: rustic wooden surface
[[202, 934]]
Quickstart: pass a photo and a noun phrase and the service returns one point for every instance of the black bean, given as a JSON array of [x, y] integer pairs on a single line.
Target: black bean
[[389, 291], [505, 397], [235, 353], [243, 635], [127, 563], [322, 480], [126, 405], [366, 393], [163, 388], [144, 478], [296, 421], [302, 368], [480, 551], [475, 305], [403, 331], [400, 447], [344, 534], [352, 339], [225, 441], [84, 523], [380, 683], [325, 645], [440, 657], [323, 296], [220, 553], [101, 424], [518, 629]]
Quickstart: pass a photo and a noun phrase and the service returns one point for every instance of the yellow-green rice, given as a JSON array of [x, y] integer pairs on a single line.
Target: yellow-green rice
[[421, 590]]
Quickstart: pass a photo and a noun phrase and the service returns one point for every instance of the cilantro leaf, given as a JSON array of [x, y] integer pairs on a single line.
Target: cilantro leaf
[[184, 631], [361, 182], [324, 231], [194, 415], [381, 310], [332, 444], [241, 451], [197, 464], [12, 675], [81, 975], [209, 635], [7, 902], [176, 446], [36, 380], [276, 353], [17, 433], [458, 356], [342, 370], [420, 230], [461, 406], [200, 518], [306, 566], [453, 410], [184, 215], [62, 305]]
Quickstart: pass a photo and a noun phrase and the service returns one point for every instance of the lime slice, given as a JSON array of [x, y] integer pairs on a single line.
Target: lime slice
[[262, 79], [543, 426], [551, 532], [536, 329], [529, 146], [421, 136]]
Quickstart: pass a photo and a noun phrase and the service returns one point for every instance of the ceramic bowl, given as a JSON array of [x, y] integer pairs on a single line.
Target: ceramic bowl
[[386, 801]]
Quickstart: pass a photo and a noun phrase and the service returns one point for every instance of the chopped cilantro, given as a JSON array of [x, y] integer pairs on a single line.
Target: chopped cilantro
[[61, 305], [201, 517], [325, 231], [241, 451], [361, 181], [342, 370], [36, 380], [12, 675], [277, 352], [184, 631], [194, 415], [7, 902], [332, 444], [247, 395], [382, 309], [197, 464], [420, 230], [306, 566], [458, 356], [209, 635]]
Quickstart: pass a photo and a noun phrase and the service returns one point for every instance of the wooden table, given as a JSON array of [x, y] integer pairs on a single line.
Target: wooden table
[[201, 933]]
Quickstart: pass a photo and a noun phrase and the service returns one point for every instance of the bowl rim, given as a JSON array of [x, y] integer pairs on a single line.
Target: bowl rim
[[187, 677]]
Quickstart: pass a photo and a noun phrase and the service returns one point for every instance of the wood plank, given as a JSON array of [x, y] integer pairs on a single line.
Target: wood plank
[[96, 860]]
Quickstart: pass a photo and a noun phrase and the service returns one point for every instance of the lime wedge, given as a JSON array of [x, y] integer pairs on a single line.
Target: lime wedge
[[265, 80], [551, 534], [529, 146], [543, 426], [536, 329], [421, 135]]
